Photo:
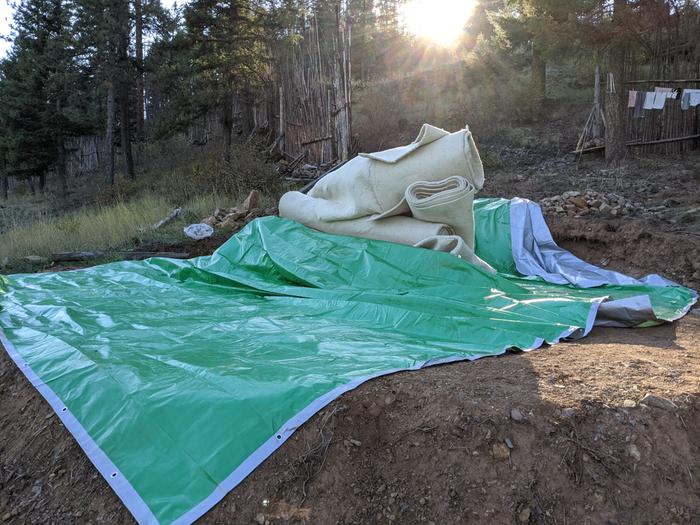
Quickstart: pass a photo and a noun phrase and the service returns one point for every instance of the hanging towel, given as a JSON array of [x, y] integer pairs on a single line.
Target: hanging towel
[[638, 105], [648, 100], [659, 100], [667, 90], [449, 201], [631, 99], [690, 98]]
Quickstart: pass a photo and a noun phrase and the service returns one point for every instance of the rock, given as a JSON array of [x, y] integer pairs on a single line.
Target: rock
[[251, 201], [605, 208], [260, 519], [579, 202], [355, 442], [524, 515], [231, 221], [516, 415], [35, 259], [597, 203], [629, 403], [509, 443], [634, 452], [500, 451], [568, 412], [389, 399], [211, 221], [658, 402], [422, 501]]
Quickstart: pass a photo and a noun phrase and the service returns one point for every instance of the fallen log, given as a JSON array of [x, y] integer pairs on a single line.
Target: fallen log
[[65, 257]]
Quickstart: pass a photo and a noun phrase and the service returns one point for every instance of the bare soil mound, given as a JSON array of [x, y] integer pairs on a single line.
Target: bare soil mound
[[552, 436], [555, 436]]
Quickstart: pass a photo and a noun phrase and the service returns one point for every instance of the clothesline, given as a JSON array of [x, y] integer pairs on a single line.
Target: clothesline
[[662, 81], [646, 100]]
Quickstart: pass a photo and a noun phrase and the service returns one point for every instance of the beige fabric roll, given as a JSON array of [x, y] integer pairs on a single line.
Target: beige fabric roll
[[399, 229], [456, 246], [449, 201], [374, 183]]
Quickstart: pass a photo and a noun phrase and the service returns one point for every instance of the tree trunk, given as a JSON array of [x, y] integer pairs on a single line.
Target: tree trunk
[[138, 14], [61, 168], [124, 85], [30, 181], [124, 128], [109, 134], [61, 161], [227, 122], [614, 99], [42, 182], [539, 74]]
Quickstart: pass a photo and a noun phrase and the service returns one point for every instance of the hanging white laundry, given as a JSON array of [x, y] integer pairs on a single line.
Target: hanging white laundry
[[667, 90], [690, 98], [659, 100], [648, 100]]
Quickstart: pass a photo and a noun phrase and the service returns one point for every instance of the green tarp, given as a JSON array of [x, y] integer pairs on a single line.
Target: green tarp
[[179, 377]]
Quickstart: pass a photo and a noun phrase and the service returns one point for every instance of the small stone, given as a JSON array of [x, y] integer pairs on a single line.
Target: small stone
[[524, 515], [597, 203], [658, 402], [605, 208], [355, 442], [516, 415], [629, 403], [634, 452], [509, 443], [500, 452], [35, 259], [389, 399], [568, 412], [260, 519], [579, 202], [421, 501]]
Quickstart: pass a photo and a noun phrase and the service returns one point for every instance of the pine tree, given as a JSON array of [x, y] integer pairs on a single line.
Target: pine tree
[[37, 79]]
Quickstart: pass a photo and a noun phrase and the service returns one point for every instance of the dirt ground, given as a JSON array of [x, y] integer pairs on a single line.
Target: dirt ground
[[553, 436]]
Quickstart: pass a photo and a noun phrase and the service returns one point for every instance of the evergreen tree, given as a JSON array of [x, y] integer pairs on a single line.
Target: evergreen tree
[[38, 78]]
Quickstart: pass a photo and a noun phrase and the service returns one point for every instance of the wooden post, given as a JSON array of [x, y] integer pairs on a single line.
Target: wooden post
[[597, 124]]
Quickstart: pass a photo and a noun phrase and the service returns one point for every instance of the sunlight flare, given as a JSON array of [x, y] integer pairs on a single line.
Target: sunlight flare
[[441, 21]]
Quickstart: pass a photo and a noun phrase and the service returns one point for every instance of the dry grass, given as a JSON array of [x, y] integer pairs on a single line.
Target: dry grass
[[120, 216]]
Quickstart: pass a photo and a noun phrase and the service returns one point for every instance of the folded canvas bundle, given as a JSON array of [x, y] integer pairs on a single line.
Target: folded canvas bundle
[[374, 183], [450, 201], [406, 195]]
